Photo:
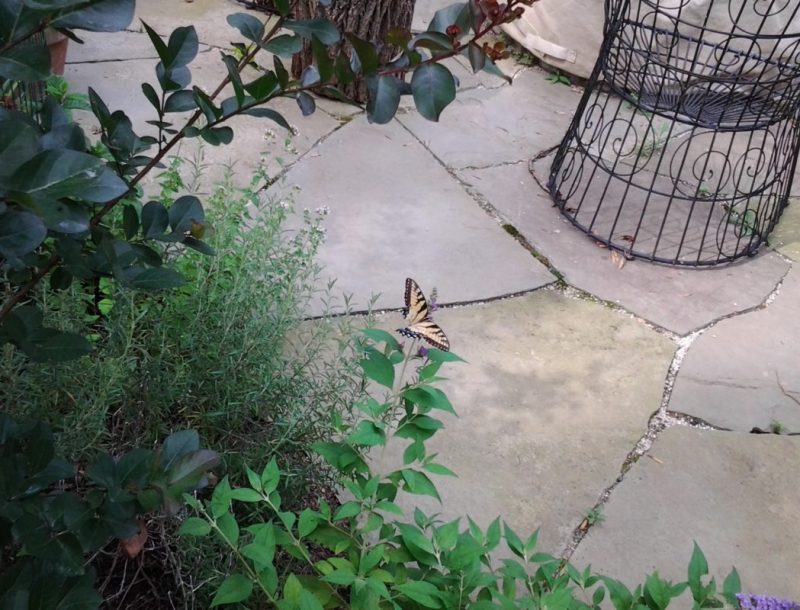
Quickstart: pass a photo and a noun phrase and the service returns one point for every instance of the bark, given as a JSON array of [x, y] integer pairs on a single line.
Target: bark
[[370, 20]]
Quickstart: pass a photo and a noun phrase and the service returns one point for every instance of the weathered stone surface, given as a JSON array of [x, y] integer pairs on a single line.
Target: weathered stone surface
[[786, 236], [118, 83], [743, 372], [485, 127], [395, 212], [207, 16], [116, 46], [681, 300], [555, 394], [735, 494]]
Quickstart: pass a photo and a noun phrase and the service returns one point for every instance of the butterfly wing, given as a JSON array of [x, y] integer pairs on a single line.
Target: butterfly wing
[[416, 309], [417, 314], [430, 332]]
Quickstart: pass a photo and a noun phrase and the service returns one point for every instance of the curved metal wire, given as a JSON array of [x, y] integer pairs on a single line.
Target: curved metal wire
[[690, 159]]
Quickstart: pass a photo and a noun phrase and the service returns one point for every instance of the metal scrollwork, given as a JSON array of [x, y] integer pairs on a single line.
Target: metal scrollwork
[[688, 160]]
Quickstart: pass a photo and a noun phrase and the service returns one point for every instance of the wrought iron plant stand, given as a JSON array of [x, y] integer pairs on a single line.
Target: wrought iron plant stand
[[684, 145]]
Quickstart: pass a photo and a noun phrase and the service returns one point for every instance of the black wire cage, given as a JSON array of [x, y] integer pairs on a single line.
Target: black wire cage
[[25, 97], [684, 145]]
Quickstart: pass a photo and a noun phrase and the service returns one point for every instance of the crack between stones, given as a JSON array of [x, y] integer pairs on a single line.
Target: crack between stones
[[663, 417], [450, 305]]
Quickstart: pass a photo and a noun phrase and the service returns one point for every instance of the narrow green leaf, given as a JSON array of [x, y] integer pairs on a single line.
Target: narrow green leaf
[[424, 593], [234, 589], [194, 526]]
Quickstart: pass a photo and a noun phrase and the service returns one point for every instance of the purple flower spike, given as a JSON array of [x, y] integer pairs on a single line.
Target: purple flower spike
[[765, 602], [423, 351]]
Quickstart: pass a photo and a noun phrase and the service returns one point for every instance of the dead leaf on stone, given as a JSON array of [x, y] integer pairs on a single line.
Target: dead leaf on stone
[[618, 259], [133, 546]]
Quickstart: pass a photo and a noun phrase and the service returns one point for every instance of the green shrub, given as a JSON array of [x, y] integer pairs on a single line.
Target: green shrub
[[365, 554], [227, 354], [52, 517]]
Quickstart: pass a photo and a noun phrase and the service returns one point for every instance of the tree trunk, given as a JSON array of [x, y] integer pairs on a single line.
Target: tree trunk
[[370, 20]]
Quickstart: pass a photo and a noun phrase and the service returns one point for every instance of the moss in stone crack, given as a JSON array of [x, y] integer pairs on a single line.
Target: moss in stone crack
[[514, 232]]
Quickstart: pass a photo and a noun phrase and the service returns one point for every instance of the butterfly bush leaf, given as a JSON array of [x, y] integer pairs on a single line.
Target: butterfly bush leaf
[[378, 368], [437, 355], [381, 336]]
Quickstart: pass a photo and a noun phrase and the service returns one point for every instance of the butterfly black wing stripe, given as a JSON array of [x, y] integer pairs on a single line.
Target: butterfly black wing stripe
[[416, 309]]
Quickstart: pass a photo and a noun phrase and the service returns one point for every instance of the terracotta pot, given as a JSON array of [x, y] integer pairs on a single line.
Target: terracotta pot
[[57, 45]]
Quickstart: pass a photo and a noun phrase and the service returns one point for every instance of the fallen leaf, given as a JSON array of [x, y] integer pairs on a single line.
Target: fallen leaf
[[618, 259], [133, 546]]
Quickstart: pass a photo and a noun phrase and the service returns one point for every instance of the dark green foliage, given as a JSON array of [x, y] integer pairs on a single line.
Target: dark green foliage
[[51, 517]]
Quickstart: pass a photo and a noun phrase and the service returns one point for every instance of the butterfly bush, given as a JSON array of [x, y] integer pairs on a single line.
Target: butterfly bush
[[748, 601]]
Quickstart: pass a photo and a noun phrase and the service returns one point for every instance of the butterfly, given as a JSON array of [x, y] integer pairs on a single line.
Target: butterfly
[[418, 316]]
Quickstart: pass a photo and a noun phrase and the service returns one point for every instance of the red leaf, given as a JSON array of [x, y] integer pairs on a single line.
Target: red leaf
[[133, 546]]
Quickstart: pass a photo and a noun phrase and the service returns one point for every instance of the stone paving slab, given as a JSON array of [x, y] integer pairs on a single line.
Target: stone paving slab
[[555, 394], [681, 300], [735, 494], [786, 236], [733, 373], [117, 82], [395, 212], [119, 46], [207, 16], [486, 127]]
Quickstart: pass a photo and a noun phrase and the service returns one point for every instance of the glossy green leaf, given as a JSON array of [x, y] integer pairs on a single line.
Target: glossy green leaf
[[53, 174], [384, 98], [217, 135], [20, 233], [18, 143], [306, 103], [26, 63], [263, 87], [477, 58], [284, 45], [325, 30], [272, 115], [97, 16], [366, 52], [457, 14], [185, 211], [65, 217], [191, 468], [249, 26], [130, 221], [178, 444], [155, 219], [182, 47], [180, 101], [157, 278], [433, 88]]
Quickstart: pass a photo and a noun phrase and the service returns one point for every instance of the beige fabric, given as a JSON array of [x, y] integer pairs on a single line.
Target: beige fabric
[[564, 33], [567, 34]]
